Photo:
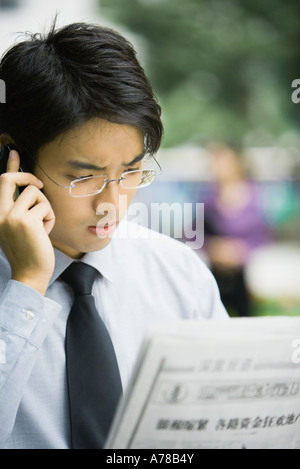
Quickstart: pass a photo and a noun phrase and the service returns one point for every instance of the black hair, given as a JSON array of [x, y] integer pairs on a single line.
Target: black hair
[[57, 81]]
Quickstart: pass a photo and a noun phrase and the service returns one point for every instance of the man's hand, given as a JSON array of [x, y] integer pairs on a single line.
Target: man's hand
[[25, 224]]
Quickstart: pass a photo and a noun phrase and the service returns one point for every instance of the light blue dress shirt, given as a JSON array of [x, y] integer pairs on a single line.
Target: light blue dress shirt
[[146, 278]]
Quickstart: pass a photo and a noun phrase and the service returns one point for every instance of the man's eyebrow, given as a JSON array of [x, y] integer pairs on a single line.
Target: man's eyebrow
[[77, 164], [135, 160]]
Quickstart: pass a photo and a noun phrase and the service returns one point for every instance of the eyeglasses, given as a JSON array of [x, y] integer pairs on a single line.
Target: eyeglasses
[[92, 185]]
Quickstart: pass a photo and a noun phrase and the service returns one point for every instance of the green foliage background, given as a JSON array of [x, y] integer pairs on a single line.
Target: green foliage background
[[220, 68]]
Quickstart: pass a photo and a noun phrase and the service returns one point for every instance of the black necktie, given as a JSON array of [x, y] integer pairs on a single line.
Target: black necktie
[[93, 378]]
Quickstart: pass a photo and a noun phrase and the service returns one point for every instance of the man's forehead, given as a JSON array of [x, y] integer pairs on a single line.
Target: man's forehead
[[97, 128], [96, 144], [90, 165]]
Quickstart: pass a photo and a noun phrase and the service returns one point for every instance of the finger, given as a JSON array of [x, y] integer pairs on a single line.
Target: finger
[[34, 203], [43, 212], [9, 183], [18, 179], [30, 197], [13, 163]]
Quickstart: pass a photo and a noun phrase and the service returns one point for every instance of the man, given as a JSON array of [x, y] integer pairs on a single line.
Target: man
[[83, 119]]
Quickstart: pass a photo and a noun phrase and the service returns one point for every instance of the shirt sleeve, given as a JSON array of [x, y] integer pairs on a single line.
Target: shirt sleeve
[[25, 319], [210, 300], [208, 303]]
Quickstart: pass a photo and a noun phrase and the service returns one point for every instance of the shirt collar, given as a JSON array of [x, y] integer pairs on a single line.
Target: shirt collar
[[100, 260]]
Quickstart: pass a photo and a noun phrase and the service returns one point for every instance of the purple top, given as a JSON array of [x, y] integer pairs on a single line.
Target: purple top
[[247, 223]]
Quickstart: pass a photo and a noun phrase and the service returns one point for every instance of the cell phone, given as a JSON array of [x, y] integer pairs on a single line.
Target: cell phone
[[4, 154]]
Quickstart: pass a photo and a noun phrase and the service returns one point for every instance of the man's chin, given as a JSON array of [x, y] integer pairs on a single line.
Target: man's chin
[[77, 250]]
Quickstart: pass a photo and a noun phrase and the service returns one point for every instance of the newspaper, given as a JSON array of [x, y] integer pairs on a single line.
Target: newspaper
[[214, 385]]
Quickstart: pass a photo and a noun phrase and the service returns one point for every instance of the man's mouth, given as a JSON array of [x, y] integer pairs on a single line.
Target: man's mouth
[[103, 230]]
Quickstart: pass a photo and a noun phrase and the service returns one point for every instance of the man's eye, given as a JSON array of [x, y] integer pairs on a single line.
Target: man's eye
[[73, 178], [131, 169]]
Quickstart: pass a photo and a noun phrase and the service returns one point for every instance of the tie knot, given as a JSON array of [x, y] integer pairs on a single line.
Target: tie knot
[[80, 277]]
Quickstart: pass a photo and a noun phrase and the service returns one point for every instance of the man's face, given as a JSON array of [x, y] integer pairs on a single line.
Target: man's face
[[95, 148]]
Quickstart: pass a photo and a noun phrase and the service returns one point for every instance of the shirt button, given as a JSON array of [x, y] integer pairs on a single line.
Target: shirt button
[[29, 314]]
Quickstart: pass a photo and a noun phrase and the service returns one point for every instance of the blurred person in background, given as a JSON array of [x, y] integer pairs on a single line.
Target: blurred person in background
[[234, 225]]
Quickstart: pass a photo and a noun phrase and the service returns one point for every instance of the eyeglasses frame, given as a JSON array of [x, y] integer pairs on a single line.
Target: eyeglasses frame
[[106, 182]]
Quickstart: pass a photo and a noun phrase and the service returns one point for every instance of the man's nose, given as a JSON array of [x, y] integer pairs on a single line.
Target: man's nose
[[109, 198]]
